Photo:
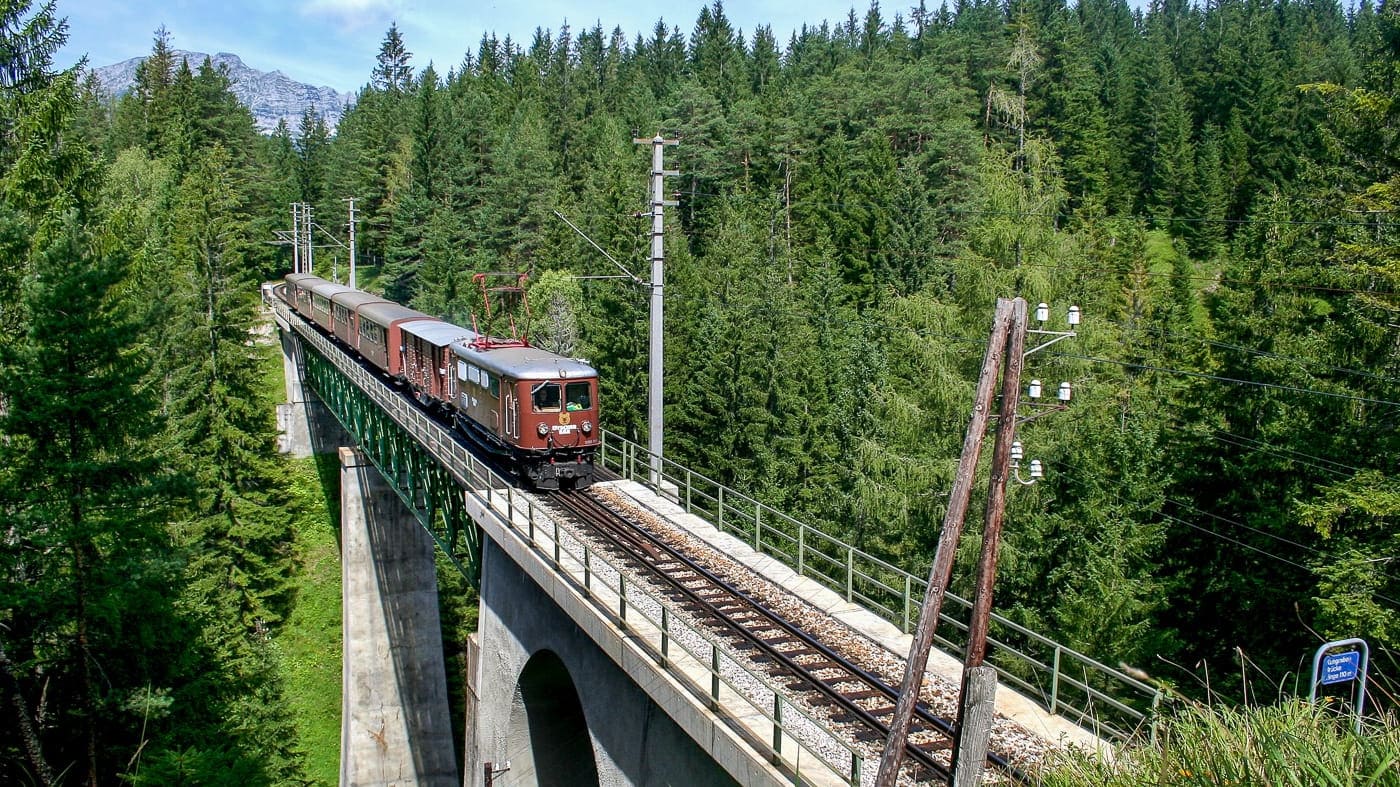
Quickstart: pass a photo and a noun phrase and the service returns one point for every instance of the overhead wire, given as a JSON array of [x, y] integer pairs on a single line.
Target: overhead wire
[[844, 205], [1264, 552], [1315, 462], [1234, 541], [1250, 528], [1266, 534], [930, 253], [1244, 544], [1234, 380], [1274, 355]]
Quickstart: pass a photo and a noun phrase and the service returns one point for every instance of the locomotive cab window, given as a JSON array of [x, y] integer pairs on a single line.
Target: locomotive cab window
[[545, 397], [577, 397]]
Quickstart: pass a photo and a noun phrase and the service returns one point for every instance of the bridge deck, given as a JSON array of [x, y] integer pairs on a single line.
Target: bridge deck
[[736, 734], [942, 667]]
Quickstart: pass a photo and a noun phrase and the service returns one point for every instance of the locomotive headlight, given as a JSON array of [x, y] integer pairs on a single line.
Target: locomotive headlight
[[542, 429], [588, 427]]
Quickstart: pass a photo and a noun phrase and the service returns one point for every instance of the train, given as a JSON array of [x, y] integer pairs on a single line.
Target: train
[[534, 410]]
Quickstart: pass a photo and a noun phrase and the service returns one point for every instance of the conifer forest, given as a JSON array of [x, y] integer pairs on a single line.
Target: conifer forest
[[1215, 185]]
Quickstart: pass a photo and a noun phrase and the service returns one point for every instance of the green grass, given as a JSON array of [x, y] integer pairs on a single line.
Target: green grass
[[1292, 744], [309, 644]]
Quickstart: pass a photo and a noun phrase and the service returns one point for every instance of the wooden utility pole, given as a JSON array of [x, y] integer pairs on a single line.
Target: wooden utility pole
[[996, 488], [978, 697], [893, 755]]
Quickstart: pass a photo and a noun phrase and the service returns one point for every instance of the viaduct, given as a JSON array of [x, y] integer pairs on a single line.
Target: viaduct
[[575, 676]]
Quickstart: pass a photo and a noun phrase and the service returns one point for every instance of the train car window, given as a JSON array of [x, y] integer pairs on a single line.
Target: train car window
[[545, 397], [576, 397], [493, 385], [462, 371], [371, 333]]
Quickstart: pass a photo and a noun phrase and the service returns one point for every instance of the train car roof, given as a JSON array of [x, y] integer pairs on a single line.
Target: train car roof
[[326, 289], [387, 312], [352, 299], [437, 332], [524, 363], [306, 280]]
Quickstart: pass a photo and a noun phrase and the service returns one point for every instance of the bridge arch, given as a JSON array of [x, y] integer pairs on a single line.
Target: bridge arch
[[549, 742]]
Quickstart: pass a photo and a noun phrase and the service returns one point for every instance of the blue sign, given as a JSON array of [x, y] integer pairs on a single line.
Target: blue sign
[[1340, 667]]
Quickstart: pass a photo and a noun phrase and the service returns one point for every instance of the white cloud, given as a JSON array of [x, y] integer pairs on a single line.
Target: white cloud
[[333, 7], [354, 15]]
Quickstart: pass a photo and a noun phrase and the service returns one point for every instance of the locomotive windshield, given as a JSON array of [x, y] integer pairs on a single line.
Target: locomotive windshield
[[545, 397], [577, 397]]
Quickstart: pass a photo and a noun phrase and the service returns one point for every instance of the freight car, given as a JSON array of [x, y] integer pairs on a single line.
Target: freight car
[[535, 410]]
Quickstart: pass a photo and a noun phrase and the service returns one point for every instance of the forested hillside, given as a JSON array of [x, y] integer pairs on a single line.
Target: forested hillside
[[1216, 187]]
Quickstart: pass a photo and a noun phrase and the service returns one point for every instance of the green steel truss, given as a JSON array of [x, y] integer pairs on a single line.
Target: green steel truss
[[425, 486], [420, 458]]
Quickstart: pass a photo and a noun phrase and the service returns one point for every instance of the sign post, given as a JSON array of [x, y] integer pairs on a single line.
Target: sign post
[[1340, 667]]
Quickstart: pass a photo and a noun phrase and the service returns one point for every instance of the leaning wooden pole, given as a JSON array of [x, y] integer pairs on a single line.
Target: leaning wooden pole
[[893, 755], [978, 697], [996, 487]]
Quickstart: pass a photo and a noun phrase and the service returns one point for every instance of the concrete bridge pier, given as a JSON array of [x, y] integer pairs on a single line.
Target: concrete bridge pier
[[304, 425], [395, 724]]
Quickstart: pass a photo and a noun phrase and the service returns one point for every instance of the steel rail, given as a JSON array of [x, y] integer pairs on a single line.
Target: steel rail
[[650, 550]]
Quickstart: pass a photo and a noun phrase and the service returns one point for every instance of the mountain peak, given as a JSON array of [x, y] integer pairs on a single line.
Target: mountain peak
[[270, 95]]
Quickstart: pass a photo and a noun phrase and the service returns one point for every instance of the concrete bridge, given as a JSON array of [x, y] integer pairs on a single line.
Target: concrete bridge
[[579, 675]]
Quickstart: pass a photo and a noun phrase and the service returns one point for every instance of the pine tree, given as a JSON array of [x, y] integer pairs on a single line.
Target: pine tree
[[214, 375], [392, 72], [717, 58], [91, 579]]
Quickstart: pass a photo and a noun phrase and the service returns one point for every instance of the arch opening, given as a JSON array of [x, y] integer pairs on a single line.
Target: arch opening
[[549, 743]]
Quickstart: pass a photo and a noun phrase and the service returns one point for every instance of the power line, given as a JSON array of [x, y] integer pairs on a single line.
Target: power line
[[1235, 380], [1099, 219], [1265, 533], [927, 254], [1265, 353], [1318, 462], [1264, 552], [1277, 356], [1313, 550], [1250, 528], [1216, 279], [1235, 541], [1186, 373]]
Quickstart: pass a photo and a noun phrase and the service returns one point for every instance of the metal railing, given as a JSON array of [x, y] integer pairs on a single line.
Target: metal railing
[[1061, 679], [680, 645], [807, 747]]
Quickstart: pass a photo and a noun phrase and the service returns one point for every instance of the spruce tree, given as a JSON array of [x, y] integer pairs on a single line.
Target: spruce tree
[[91, 577]]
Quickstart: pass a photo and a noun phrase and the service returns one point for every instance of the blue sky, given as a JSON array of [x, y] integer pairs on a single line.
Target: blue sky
[[334, 42]]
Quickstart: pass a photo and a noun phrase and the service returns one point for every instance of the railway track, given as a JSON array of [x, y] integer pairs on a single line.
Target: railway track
[[811, 672]]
